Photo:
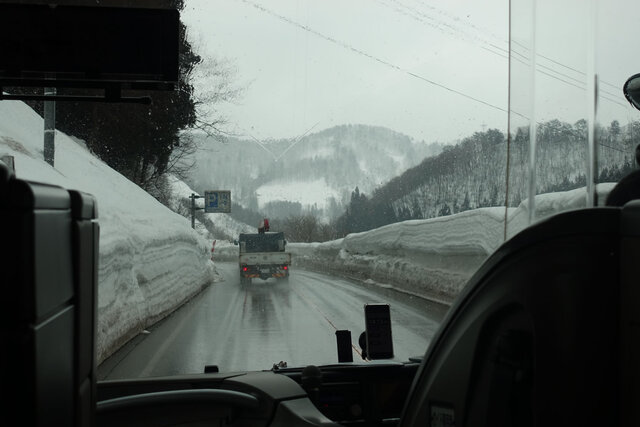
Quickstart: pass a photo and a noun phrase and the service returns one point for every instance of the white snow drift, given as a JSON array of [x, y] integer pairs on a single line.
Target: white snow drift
[[435, 257], [150, 259]]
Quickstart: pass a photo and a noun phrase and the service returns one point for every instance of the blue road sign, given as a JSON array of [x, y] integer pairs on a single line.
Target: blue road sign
[[218, 201]]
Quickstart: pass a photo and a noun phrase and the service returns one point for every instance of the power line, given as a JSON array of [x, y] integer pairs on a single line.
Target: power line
[[442, 86], [503, 53], [612, 148], [291, 145], [582, 73], [370, 56], [456, 26], [455, 18], [422, 17], [579, 84], [564, 65]]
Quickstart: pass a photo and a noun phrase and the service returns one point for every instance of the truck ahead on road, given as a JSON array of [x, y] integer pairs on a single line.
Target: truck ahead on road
[[262, 255]]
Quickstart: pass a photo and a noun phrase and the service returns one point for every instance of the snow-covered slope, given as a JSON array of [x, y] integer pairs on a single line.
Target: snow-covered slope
[[224, 226], [150, 259]]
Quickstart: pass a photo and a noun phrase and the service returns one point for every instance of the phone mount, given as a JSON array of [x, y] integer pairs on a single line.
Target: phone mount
[[375, 342]]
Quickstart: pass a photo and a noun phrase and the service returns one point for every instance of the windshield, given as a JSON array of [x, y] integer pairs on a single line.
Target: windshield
[[370, 152]]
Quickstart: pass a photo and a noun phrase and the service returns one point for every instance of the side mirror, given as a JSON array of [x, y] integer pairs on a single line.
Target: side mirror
[[631, 90], [235, 242]]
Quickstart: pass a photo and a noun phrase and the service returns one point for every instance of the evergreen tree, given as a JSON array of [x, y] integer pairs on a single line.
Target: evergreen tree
[[494, 196], [416, 210], [143, 142], [466, 203], [444, 210]]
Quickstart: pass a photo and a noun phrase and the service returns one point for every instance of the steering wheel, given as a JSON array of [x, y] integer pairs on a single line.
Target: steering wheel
[[173, 407]]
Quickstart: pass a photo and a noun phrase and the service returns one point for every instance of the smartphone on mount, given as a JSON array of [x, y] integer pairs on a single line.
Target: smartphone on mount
[[378, 331]]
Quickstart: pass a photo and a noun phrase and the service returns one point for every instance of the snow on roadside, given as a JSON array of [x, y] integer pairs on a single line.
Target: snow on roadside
[[435, 257], [431, 257], [551, 203], [151, 261]]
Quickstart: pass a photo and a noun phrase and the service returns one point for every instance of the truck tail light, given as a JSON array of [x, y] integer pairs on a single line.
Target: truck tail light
[[284, 267], [244, 268]]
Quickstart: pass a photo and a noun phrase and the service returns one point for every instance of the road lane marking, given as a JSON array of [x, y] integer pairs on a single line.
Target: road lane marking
[[305, 299]]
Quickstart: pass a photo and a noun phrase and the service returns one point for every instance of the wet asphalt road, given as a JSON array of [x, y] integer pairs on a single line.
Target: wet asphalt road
[[251, 327]]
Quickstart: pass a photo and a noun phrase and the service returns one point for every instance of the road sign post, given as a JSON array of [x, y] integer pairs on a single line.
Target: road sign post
[[218, 201], [193, 198]]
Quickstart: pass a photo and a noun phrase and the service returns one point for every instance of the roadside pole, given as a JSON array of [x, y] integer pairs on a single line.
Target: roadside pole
[[193, 198], [49, 127]]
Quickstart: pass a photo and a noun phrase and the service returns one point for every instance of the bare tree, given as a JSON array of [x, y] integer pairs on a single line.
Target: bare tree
[[220, 88]]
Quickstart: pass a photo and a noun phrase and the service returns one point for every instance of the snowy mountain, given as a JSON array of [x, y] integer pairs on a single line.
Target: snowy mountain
[[317, 170], [472, 173]]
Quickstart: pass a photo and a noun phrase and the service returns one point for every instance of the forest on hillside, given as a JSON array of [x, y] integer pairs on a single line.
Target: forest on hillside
[[147, 142], [473, 173]]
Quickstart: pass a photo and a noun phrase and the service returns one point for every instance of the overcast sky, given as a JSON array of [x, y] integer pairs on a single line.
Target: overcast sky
[[436, 70]]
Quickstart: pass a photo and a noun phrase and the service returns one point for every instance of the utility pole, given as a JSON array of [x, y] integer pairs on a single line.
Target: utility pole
[[49, 126], [193, 198]]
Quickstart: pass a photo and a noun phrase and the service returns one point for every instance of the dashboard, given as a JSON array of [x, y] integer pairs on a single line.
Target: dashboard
[[361, 393], [346, 394]]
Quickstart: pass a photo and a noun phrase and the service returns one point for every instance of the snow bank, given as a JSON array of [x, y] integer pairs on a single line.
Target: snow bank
[[431, 258], [552, 203], [151, 261]]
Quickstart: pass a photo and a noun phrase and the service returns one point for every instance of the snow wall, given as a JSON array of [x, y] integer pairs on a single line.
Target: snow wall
[[151, 261], [431, 258]]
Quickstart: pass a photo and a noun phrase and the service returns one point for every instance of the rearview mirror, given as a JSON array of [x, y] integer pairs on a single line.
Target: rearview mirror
[[631, 90]]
